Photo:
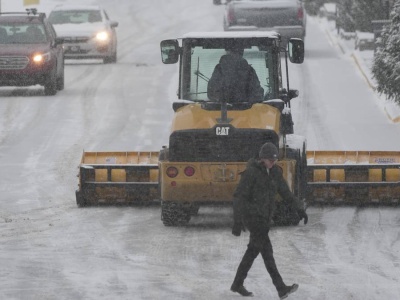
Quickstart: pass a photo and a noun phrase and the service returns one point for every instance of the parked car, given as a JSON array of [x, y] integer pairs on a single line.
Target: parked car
[[364, 41], [30, 52], [287, 17], [87, 31]]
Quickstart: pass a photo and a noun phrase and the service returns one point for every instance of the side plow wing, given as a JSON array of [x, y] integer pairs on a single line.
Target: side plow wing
[[117, 178], [353, 177]]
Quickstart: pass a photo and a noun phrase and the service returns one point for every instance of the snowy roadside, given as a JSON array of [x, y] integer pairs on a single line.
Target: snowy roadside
[[363, 60]]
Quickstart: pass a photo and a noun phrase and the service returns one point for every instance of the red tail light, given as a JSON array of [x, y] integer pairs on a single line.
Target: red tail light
[[300, 13], [172, 172], [189, 171], [230, 14]]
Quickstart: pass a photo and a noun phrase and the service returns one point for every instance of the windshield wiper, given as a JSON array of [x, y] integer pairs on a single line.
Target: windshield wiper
[[201, 75]]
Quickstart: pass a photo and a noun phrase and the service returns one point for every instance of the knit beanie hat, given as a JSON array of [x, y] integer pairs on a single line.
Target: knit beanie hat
[[268, 151]]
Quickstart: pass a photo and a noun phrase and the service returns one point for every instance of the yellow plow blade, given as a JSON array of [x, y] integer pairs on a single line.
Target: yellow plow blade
[[117, 177], [354, 177]]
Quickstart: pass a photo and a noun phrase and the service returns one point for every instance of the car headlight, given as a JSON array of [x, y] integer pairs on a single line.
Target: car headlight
[[41, 57], [102, 36]]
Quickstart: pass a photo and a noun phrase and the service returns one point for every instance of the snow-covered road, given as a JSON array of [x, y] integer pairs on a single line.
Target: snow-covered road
[[51, 249]]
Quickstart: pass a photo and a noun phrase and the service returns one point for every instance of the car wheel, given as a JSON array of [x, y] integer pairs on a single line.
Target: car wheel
[[112, 59], [174, 214], [60, 80], [50, 86]]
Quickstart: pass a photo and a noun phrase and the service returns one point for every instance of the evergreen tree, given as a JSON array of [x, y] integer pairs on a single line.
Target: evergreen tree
[[312, 6], [364, 11], [345, 18], [386, 64]]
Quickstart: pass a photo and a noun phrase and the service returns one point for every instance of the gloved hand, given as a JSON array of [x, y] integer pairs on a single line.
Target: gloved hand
[[303, 215], [237, 228]]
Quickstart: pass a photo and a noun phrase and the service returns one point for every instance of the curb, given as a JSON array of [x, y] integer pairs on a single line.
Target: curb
[[392, 115], [362, 72], [391, 109]]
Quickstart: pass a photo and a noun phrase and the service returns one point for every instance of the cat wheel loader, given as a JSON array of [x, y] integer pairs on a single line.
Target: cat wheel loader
[[210, 142]]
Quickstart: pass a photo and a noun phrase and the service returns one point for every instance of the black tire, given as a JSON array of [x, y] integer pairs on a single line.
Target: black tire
[[112, 59], [60, 80], [285, 215], [174, 214], [301, 170], [194, 209], [50, 85]]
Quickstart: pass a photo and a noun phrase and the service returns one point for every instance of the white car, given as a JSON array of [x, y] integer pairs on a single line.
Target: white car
[[87, 32]]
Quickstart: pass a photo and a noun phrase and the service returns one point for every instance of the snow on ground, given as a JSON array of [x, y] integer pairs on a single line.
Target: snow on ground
[[363, 61], [50, 249]]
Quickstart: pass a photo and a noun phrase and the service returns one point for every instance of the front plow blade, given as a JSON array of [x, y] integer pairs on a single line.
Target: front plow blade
[[353, 177], [118, 178]]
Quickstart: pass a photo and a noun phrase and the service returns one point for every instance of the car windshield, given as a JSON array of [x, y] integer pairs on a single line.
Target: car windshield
[[74, 16], [204, 58], [22, 33]]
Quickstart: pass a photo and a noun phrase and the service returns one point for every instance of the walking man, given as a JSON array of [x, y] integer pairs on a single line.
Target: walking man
[[253, 206]]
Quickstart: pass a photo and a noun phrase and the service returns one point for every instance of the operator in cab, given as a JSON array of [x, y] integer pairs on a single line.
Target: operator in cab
[[234, 80]]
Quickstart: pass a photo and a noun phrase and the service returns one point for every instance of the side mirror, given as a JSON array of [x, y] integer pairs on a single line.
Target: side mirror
[[58, 41], [170, 51], [293, 94], [287, 96], [296, 51], [114, 24]]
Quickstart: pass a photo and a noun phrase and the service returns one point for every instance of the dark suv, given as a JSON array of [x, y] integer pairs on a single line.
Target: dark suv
[[30, 52]]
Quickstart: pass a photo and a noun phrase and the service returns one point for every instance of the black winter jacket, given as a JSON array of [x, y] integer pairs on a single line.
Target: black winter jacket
[[254, 197], [234, 80]]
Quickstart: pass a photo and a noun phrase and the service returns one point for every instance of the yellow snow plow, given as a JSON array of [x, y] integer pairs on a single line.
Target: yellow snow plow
[[117, 178], [354, 177], [211, 141]]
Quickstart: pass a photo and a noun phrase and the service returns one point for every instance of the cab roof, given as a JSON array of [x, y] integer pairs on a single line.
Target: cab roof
[[232, 34], [76, 7]]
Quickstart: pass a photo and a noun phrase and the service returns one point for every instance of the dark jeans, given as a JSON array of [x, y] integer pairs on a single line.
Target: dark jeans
[[259, 243]]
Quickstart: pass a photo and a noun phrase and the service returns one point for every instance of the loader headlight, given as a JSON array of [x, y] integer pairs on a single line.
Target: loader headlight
[[102, 36], [40, 58]]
